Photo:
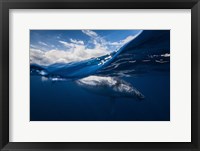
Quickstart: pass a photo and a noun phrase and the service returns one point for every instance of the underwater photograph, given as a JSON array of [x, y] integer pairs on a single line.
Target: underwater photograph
[[99, 75]]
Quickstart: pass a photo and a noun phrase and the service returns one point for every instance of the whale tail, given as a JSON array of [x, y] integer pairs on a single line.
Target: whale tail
[[141, 96], [138, 94]]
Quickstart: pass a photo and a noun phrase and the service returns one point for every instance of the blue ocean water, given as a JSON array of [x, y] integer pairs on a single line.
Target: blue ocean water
[[129, 84]]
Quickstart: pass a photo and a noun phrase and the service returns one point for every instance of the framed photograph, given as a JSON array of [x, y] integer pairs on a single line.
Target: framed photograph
[[99, 75]]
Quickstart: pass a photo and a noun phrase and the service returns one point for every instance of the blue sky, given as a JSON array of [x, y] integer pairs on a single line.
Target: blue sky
[[52, 46]]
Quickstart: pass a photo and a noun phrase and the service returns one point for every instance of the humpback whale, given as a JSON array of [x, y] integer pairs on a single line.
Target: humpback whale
[[110, 86]]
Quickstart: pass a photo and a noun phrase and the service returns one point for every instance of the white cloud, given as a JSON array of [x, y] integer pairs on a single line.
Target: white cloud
[[124, 41], [99, 41], [42, 47], [76, 50], [33, 46], [55, 56], [77, 41], [42, 43], [127, 39], [90, 33], [67, 44]]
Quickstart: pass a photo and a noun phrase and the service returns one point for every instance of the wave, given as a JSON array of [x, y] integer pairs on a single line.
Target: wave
[[149, 51]]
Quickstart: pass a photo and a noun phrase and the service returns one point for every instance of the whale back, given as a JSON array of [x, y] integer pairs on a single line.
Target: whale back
[[109, 86]]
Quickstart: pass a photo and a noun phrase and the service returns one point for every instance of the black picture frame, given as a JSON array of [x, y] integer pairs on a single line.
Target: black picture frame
[[5, 5]]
